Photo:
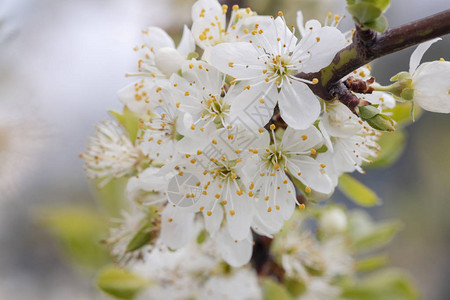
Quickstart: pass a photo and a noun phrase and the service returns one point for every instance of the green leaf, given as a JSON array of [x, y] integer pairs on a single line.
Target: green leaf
[[357, 192], [372, 115], [79, 231], [129, 121], [371, 263], [392, 145], [120, 283], [274, 291], [201, 237], [364, 12], [380, 24], [141, 238], [112, 196], [294, 287], [378, 237], [385, 285]]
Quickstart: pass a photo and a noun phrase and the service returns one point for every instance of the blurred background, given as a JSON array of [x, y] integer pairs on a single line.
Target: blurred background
[[61, 64]]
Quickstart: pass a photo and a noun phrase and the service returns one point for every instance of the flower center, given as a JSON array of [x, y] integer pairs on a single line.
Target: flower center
[[274, 158], [280, 66], [216, 109]]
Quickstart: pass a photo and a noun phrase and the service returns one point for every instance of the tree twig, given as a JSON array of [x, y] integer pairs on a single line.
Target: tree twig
[[367, 46]]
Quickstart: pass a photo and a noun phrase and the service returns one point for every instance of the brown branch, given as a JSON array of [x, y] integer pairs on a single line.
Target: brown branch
[[367, 46]]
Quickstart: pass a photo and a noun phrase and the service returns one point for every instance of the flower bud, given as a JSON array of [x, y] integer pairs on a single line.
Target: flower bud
[[168, 60], [372, 115], [333, 221]]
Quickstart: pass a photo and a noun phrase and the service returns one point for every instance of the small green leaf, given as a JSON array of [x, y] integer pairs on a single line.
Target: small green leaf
[[120, 283], [357, 192], [192, 55], [392, 145], [201, 237], [380, 24], [368, 111], [79, 231], [294, 287], [385, 285], [371, 263], [378, 237], [275, 291], [141, 238], [129, 121], [112, 195], [364, 12]]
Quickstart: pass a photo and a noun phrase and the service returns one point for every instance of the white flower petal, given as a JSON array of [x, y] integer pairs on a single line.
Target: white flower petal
[[301, 140], [249, 110], [299, 107], [318, 48], [187, 43], [417, 55], [432, 86], [177, 227], [239, 224], [213, 221], [239, 60], [300, 26], [235, 252], [157, 38], [311, 174], [135, 100]]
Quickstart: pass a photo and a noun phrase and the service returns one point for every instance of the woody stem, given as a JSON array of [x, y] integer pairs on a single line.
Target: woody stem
[[367, 46]]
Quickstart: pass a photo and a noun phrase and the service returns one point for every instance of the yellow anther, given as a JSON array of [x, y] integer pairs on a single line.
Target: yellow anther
[[280, 13], [308, 189], [231, 64], [269, 209], [191, 66], [266, 198], [232, 212], [224, 202], [315, 81], [214, 142], [246, 87], [186, 93], [202, 208], [170, 220], [277, 207], [261, 130], [209, 213], [322, 166], [304, 137], [318, 39], [272, 127], [313, 151], [235, 7]]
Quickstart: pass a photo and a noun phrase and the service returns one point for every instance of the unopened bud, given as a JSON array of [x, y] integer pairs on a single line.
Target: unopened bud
[[333, 221], [375, 118]]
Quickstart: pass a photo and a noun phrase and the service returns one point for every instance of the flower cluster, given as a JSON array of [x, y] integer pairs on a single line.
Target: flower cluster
[[208, 144], [227, 141]]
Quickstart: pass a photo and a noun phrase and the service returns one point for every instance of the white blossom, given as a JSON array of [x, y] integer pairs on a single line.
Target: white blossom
[[268, 62], [430, 81], [110, 154]]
